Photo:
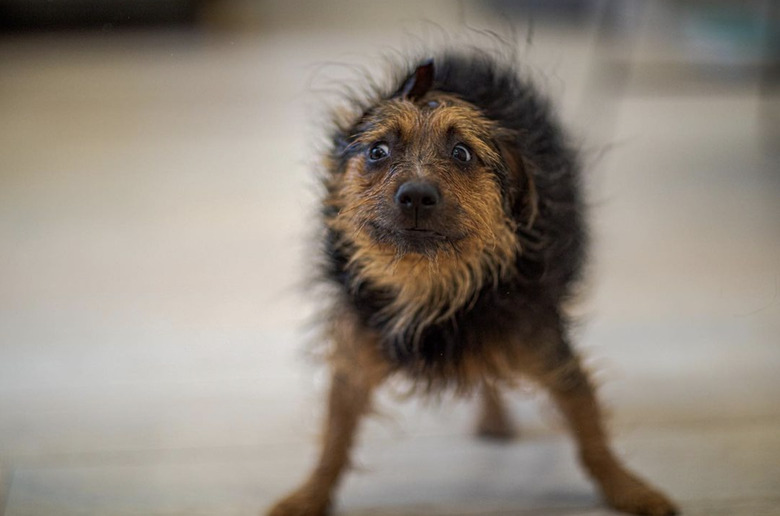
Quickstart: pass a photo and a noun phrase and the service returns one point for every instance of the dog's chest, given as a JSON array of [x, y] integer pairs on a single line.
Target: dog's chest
[[487, 322]]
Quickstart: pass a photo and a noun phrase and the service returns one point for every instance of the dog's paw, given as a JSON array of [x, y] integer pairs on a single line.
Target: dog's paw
[[496, 429], [301, 503], [630, 494]]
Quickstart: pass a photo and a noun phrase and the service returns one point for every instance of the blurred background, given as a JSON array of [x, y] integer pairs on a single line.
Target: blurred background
[[157, 200]]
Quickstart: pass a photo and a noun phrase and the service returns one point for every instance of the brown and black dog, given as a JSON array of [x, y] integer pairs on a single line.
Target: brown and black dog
[[454, 233]]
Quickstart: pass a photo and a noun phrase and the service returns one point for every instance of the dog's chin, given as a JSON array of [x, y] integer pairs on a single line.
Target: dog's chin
[[424, 242], [421, 241]]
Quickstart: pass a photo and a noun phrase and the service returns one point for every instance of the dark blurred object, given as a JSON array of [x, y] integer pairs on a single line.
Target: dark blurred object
[[31, 15], [549, 10]]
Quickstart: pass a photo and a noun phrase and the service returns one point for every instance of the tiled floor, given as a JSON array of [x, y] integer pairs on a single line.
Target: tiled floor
[[155, 199]]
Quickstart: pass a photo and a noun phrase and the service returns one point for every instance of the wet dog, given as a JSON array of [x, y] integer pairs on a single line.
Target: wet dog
[[453, 234]]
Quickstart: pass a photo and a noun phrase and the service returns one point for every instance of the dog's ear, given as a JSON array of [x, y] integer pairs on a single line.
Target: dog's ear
[[418, 83], [523, 199]]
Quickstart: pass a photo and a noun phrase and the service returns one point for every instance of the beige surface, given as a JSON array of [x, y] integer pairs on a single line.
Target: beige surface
[[155, 202]]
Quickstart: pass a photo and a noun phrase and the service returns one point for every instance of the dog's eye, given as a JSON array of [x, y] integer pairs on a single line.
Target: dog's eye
[[378, 151], [461, 153]]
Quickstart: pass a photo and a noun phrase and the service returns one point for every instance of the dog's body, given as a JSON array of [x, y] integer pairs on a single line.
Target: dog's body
[[454, 233]]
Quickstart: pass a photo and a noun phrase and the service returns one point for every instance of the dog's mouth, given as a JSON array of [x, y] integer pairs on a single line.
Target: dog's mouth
[[419, 233], [414, 240]]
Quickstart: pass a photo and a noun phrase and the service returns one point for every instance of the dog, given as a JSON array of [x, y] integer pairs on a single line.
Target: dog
[[454, 234]]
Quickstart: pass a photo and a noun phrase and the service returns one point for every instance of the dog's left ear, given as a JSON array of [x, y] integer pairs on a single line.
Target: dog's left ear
[[418, 83], [523, 198]]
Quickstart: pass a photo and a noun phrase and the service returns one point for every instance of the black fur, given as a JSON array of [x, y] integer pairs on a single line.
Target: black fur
[[553, 246]]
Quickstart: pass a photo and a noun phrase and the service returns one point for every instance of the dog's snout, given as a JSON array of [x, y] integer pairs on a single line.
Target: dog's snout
[[421, 197]]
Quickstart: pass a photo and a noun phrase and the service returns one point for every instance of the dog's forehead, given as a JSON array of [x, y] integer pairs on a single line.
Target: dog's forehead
[[436, 115]]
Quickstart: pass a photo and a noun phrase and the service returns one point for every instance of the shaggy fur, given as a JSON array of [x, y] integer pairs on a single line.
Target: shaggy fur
[[453, 235]]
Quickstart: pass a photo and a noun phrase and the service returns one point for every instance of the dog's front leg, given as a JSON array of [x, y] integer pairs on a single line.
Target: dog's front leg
[[560, 372], [349, 399], [355, 374]]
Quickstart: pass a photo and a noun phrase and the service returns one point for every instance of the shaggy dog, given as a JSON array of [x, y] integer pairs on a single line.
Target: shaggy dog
[[454, 233]]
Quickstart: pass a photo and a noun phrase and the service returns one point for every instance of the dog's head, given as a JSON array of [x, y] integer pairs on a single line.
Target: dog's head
[[421, 190], [423, 176]]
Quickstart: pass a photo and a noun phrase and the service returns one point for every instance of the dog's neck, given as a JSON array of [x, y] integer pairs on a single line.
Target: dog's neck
[[427, 290]]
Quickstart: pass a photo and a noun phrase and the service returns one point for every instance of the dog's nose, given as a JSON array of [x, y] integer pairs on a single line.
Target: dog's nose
[[421, 197]]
